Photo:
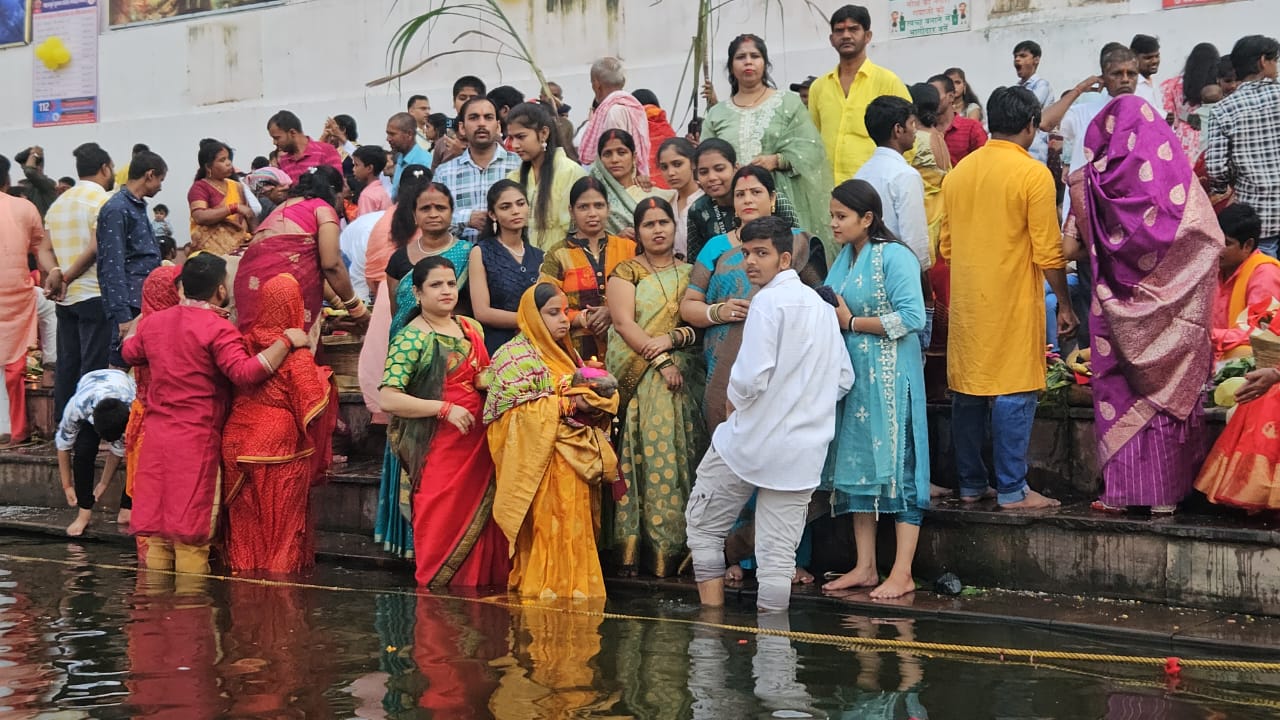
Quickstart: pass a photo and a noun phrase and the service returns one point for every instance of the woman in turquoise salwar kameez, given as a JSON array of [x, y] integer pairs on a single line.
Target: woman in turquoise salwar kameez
[[878, 463]]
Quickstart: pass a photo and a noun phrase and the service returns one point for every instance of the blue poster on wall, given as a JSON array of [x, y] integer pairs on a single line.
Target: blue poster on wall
[[15, 22]]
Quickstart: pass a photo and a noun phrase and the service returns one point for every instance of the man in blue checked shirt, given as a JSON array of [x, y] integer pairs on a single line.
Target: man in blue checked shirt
[[127, 247], [484, 163]]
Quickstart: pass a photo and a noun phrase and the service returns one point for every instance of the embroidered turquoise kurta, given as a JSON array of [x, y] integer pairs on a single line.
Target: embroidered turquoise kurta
[[879, 460]]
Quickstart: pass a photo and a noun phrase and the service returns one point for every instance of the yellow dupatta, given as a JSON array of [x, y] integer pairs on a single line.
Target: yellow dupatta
[[525, 438]]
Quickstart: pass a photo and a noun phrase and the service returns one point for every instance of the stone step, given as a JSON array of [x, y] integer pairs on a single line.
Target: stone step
[[1206, 558]]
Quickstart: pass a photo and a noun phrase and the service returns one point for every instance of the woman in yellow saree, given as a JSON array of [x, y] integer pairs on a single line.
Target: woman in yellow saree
[[549, 439]]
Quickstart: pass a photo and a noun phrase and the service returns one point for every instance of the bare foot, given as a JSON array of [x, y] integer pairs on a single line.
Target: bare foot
[[937, 491], [124, 517], [894, 587], [855, 578], [802, 577], [76, 529], [1033, 501], [990, 493], [733, 575]]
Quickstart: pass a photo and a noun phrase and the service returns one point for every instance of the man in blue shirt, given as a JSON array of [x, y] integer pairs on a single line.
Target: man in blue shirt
[[127, 247], [402, 138]]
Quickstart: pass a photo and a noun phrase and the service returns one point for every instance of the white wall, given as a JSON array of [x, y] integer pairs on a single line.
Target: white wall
[[222, 76]]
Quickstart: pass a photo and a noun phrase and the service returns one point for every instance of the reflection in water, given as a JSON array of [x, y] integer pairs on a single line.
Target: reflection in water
[[75, 638], [552, 670]]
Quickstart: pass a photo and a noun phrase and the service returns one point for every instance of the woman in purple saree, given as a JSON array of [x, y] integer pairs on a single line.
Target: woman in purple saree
[[1154, 241]]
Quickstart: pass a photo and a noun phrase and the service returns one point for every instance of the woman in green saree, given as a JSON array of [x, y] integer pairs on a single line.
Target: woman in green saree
[[660, 384], [772, 128], [615, 166]]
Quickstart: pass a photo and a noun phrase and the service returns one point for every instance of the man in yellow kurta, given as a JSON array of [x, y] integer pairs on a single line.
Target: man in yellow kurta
[[1000, 235], [838, 100]]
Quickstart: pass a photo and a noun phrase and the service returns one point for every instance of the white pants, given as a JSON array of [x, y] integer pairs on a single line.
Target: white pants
[[46, 311], [718, 497]]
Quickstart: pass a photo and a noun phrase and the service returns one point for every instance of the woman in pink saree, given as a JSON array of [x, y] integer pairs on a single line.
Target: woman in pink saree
[[299, 238], [1154, 241]]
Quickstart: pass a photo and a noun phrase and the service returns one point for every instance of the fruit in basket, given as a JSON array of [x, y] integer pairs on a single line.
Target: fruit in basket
[[1225, 394]]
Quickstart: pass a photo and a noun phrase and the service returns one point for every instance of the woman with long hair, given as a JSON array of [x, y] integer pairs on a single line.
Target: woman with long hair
[[420, 228], [879, 460], [676, 163], [276, 445], [1154, 242], [719, 292], [222, 220], [660, 376], [300, 238], [551, 451], [582, 263], [503, 264], [1182, 96], [430, 390], [545, 172], [615, 167], [772, 129], [967, 102]]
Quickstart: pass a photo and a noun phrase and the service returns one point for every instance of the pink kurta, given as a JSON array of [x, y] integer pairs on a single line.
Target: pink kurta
[[194, 356]]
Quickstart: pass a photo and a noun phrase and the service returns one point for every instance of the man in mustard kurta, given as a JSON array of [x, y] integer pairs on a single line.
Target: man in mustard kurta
[[838, 100], [1001, 237]]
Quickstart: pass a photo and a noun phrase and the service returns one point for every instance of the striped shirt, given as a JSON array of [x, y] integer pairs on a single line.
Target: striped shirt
[[470, 185], [72, 222]]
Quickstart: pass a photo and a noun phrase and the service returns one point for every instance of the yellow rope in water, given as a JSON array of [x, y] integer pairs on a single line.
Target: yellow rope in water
[[878, 644]]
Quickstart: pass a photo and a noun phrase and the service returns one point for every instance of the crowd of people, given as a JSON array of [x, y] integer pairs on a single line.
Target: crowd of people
[[621, 349]]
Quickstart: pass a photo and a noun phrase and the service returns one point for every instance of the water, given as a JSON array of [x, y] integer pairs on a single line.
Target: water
[[78, 639]]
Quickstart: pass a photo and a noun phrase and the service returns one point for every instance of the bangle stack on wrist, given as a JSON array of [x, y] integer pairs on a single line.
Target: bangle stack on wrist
[[713, 314], [682, 337], [661, 361]]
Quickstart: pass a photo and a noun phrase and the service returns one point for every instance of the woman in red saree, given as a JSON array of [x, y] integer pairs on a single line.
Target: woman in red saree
[[1243, 469], [446, 484], [300, 238], [276, 445], [159, 291]]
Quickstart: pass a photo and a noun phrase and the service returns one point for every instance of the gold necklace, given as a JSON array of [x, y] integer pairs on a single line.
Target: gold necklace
[[670, 305], [764, 90], [430, 253]]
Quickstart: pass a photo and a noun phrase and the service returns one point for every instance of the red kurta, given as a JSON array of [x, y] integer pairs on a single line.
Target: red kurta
[[194, 357]]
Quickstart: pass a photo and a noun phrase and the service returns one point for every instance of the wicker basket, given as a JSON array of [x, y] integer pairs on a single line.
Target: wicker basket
[[1266, 349], [342, 353]]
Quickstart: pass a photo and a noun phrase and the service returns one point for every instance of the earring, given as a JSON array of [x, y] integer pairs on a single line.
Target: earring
[[544, 146], [773, 208]]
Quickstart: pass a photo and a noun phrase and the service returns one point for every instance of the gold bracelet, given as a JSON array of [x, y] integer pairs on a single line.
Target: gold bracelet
[[659, 361]]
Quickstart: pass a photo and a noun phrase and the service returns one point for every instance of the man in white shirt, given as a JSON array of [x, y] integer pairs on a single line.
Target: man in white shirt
[[891, 123], [353, 242], [791, 371], [1147, 48]]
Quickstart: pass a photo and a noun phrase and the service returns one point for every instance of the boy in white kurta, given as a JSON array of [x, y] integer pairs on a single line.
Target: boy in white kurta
[[791, 371]]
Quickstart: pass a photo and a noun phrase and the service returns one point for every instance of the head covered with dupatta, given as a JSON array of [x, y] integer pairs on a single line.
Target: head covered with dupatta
[[1154, 242], [160, 289], [281, 309]]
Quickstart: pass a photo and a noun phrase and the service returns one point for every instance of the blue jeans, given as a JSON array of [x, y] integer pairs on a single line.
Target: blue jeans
[[1270, 246], [1011, 417], [1051, 310]]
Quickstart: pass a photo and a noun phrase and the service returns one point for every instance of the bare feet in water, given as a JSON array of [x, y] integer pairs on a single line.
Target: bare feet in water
[[855, 578], [733, 575], [1033, 501], [76, 529], [802, 577]]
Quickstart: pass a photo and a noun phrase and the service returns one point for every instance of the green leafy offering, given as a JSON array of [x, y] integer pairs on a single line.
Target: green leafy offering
[[1235, 368]]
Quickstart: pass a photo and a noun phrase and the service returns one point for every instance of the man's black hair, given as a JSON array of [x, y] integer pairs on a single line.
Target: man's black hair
[[943, 80], [110, 418], [772, 228], [1144, 44], [144, 162], [1241, 223], [90, 157], [286, 121], [1030, 46], [856, 13], [413, 99], [470, 81], [1011, 109], [1250, 51], [884, 114], [504, 96], [201, 276]]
